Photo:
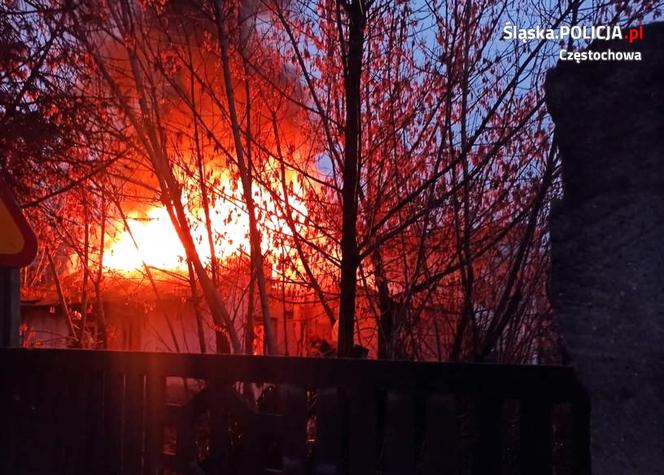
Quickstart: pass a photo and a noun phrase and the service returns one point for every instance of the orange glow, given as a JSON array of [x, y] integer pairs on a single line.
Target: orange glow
[[157, 244]]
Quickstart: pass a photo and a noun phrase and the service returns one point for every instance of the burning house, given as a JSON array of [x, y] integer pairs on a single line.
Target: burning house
[[137, 315]]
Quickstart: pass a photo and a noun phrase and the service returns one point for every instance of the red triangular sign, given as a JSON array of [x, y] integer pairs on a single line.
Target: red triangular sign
[[18, 244]]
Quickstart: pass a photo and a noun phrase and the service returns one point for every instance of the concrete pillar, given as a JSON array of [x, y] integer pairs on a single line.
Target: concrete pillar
[[608, 245]]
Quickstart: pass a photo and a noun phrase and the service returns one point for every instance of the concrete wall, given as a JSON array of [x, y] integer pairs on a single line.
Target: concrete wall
[[608, 246]]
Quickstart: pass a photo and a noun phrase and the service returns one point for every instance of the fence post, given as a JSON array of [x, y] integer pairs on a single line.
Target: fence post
[[535, 434]]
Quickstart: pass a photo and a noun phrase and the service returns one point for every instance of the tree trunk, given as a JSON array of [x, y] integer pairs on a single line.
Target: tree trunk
[[350, 258], [246, 179], [101, 316], [386, 310]]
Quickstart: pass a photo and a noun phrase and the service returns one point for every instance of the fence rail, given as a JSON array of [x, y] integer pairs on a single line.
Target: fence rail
[[77, 411]]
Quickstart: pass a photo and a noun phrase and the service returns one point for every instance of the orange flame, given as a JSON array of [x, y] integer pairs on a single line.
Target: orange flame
[[154, 242]]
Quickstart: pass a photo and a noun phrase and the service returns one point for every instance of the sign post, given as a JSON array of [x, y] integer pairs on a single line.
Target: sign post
[[10, 307], [18, 246]]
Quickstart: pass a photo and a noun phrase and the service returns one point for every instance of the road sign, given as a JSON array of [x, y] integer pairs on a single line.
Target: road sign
[[18, 244]]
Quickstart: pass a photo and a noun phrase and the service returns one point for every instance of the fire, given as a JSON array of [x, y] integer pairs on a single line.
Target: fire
[[158, 245], [187, 94], [152, 240]]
